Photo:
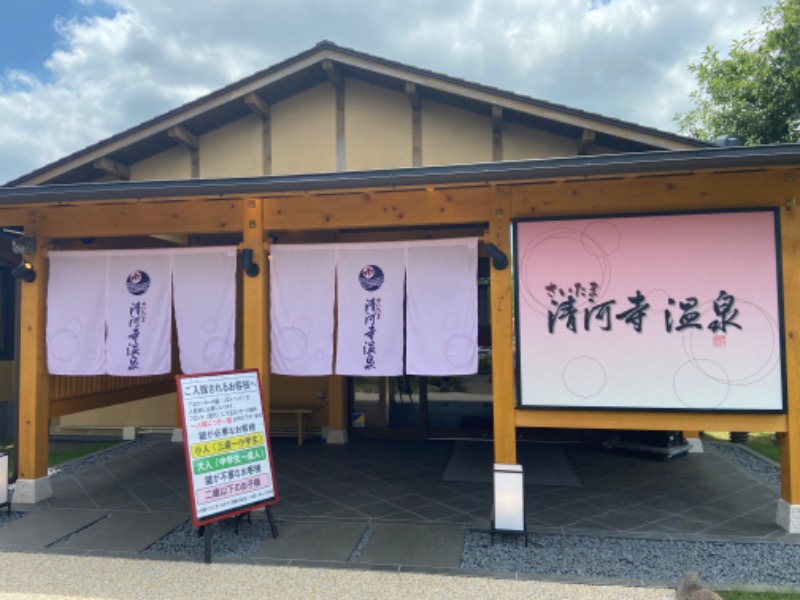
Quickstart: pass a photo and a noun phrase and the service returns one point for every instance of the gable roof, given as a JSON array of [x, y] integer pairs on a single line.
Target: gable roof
[[315, 66]]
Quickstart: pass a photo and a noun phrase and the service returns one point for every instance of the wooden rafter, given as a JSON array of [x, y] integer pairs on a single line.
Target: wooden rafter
[[184, 137], [412, 95], [586, 142], [497, 133], [256, 103], [112, 167], [332, 72]]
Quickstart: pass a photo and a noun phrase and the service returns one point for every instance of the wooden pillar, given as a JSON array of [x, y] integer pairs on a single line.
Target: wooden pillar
[[501, 301], [255, 299], [34, 410], [337, 410], [789, 507]]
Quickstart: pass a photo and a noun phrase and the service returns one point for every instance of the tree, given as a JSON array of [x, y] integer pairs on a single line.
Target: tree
[[754, 93]]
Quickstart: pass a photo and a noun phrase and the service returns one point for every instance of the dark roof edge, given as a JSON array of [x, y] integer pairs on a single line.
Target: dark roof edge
[[498, 173], [326, 45]]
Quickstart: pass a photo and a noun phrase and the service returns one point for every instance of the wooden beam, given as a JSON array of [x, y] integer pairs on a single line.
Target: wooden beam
[[337, 403], [586, 141], [497, 133], [407, 208], [688, 191], [501, 318], [140, 219], [184, 137], [597, 419], [790, 442], [341, 145], [34, 385], [112, 167], [255, 299], [257, 104], [416, 124], [412, 95], [332, 73]]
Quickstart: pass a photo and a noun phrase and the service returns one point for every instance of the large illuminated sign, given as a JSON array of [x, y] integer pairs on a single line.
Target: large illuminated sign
[[665, 312]]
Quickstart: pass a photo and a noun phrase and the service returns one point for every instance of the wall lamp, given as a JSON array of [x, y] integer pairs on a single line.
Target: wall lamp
[[24, 271], [250, 268], [499, 258]]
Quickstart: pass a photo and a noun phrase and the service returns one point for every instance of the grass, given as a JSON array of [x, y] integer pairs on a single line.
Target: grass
[[58, 454], [764, 443]]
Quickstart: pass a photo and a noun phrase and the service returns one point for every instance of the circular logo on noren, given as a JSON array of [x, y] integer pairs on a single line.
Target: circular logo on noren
[[371, 278], [138, 283]]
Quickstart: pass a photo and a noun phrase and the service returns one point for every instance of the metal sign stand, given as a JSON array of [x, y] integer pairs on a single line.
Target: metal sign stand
[[205, 531]]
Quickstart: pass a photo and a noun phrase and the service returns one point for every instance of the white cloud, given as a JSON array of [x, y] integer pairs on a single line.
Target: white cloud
[[624, 58]]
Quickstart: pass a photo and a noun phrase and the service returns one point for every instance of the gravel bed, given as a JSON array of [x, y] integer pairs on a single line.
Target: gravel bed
[[356, 555], [757, 465], [225, 542], [719, 563]]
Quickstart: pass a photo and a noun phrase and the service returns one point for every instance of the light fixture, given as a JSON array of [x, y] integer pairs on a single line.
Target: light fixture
[[24, 271], [250, 268], [499, 258], [508, 514], [4, 482], [24, 244]]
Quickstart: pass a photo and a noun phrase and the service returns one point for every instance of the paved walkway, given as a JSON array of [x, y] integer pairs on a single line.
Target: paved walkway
[[374, 505]]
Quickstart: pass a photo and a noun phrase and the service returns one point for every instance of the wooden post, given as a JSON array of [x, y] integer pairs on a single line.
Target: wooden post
[[505, 430], [788, 515], [337, 410], [255, 299], [33, 485]]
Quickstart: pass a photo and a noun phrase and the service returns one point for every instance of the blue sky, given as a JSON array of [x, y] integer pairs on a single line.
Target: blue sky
[[73, 72], [28, 30]]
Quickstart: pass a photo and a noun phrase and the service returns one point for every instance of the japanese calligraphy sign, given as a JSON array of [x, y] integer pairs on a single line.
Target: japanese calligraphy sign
[[666, 312], [228, 457]]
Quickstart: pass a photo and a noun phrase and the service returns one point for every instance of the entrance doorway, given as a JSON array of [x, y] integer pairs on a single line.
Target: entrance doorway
[[418, 407], [421, 407]]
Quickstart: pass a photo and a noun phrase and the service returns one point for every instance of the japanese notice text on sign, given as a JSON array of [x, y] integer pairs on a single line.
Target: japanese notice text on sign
[[228, 457]]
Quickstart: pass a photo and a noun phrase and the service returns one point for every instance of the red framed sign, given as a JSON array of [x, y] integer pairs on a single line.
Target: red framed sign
[[228, 456]]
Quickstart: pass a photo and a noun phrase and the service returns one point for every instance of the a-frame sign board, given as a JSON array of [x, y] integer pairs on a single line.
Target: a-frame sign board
[[228, 456]]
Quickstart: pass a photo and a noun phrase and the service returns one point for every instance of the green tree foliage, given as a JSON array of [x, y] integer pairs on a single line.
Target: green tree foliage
[[754, 93]]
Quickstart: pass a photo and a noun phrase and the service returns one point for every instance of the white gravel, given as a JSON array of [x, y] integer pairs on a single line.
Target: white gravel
[[53, 577]]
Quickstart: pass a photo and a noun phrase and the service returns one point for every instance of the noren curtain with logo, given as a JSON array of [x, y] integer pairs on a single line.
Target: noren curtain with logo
[[401, 306], [110, 312]]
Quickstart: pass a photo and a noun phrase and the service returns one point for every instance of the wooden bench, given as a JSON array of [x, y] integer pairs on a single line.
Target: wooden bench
[[303, 414]]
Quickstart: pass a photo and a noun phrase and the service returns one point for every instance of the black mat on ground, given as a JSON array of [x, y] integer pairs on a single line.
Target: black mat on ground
[[543, 464]]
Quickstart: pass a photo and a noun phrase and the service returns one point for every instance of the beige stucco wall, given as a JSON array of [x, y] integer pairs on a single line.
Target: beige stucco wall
[[523, 142], [377, 126], [235, 150], [175, 163], [454, 136], [304, 132]]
